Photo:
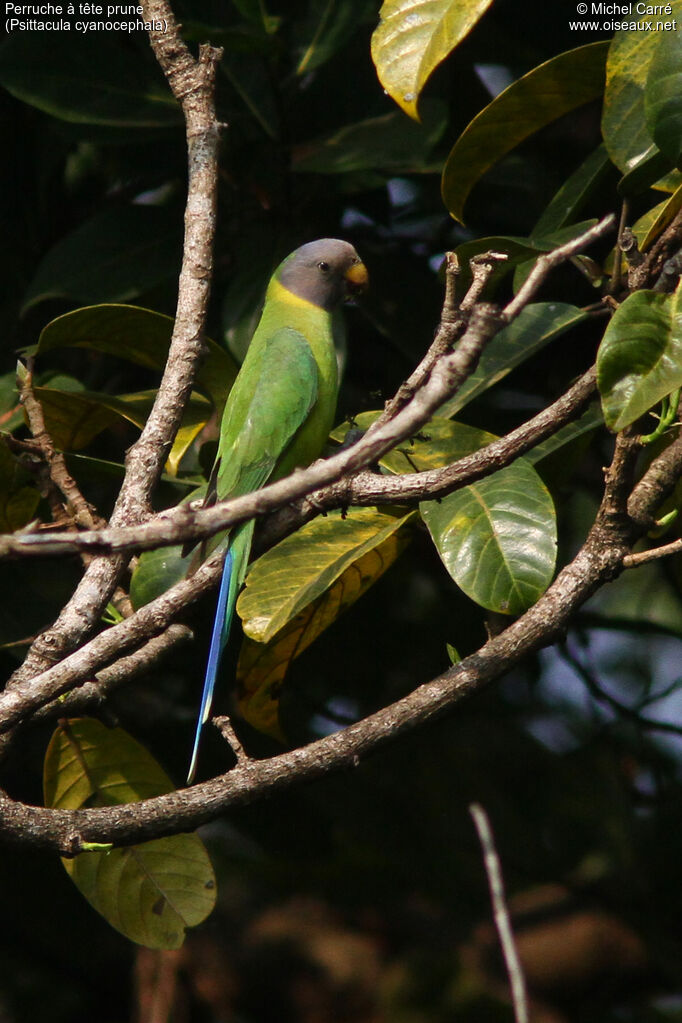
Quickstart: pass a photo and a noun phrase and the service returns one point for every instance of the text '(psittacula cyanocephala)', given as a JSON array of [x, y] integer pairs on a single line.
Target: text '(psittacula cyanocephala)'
[[281, 407]]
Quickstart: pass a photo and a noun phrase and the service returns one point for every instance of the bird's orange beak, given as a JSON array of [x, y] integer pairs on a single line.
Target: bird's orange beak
[[357, 278]]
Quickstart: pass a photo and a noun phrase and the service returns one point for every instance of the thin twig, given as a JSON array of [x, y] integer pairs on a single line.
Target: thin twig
[[642, 557], [226, 729], [493, 869], [77, 507], [546, 263]]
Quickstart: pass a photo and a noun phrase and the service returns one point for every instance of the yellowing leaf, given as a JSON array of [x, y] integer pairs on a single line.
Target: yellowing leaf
[[149, 892], [413, 37], [296, 590]]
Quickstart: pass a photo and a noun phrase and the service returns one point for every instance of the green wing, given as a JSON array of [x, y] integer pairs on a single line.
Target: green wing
[[275, 392]]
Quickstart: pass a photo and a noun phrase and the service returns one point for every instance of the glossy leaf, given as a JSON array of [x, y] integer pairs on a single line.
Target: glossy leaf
[[497, 538], [640, 356], [663, 215], [149, 892], [388, 143], [534, 328], [141, 336], [540, 97], [624, 126], [113, 257], [663, 95], [304, 565], [18, 496], [652, 169], [413, 37], [91, 80], [298, 589], [156, 571]]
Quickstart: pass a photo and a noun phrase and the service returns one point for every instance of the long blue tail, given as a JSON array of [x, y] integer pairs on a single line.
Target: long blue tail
[[219, 637], [234, 570]]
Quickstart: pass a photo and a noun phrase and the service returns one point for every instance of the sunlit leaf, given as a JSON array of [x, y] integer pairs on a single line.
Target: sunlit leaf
[[150, 892], [141, 336], [663, 95], [303, 566], [413, 37], [540, 97], [91, 80], [112, 257], [497, 538], [298, 589], [640, 356], [624, 127], [663, 215]]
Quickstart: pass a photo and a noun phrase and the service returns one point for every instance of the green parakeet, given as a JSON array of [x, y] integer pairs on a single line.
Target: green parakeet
[[281, 407]]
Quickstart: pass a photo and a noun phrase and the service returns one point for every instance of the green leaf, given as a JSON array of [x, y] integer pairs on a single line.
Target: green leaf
[[149, 892], [534, 328], [664, 214], [540, 97], [647, 171], [639, 360], [328, 28], [75, 418], [624, 125], [251, 80], [497, 538], [139, 335], [590, 420], [156, 571], [91, 80], [18, 496], [321, 552], [663, 96], [574, 193], [387, 143], [11, 411], [413, 37], [113, 257], [299, 588]]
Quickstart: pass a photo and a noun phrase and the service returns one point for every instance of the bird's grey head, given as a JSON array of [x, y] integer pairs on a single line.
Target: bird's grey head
[[324, 272]]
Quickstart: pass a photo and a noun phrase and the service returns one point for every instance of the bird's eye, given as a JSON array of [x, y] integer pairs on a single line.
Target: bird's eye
[[324, 267]]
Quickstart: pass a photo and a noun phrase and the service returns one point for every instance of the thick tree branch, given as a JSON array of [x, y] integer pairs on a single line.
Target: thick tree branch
[[193, 84], [599, 560], [365, 488]]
